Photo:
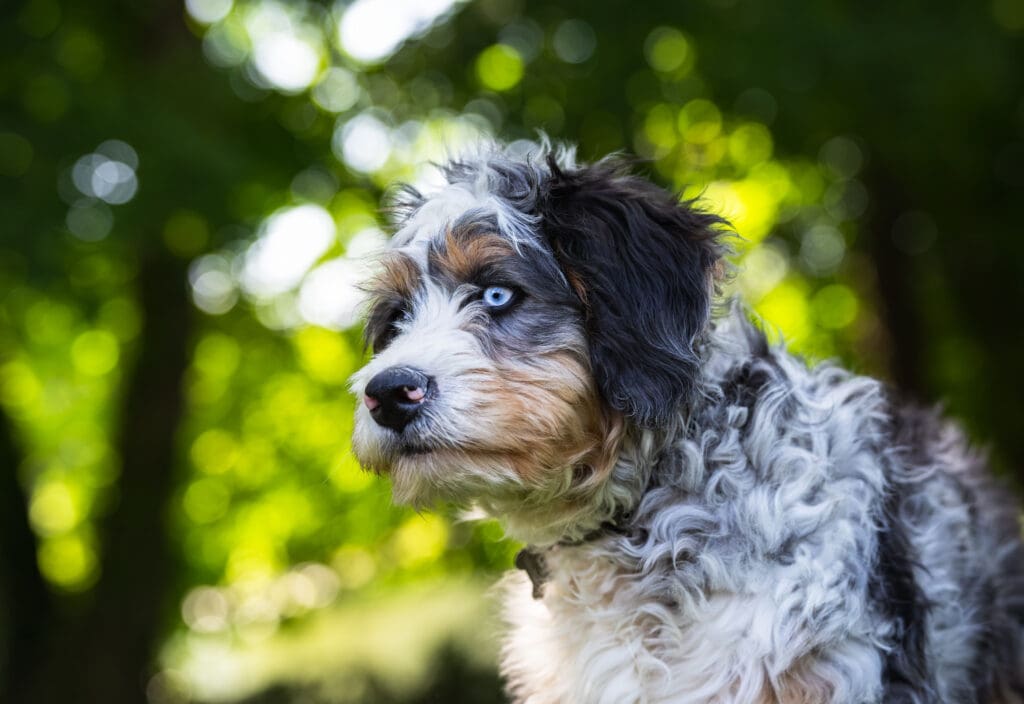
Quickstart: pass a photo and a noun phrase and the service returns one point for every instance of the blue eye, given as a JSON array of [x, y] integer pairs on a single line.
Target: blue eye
[[498, 297]]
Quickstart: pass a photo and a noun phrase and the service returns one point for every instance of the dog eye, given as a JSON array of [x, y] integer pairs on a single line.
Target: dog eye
[[388, 331], [498, 298]]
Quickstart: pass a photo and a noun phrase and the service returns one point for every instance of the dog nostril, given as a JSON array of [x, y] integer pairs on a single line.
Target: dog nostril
[[414, 393], [394, 396]]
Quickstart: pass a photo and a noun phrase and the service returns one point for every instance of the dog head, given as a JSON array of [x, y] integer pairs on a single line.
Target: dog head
[[526, 313]]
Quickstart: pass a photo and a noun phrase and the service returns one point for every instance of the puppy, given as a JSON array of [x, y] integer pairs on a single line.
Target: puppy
[[707, 519]]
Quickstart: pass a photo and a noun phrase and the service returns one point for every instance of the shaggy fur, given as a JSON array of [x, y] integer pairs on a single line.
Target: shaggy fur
[[709, 519]]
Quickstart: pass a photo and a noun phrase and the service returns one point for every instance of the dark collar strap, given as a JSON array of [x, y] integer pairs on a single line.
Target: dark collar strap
[[536, 567], [531, 560]]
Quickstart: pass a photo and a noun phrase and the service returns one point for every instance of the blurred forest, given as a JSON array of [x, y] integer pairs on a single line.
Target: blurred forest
[[189, 192]]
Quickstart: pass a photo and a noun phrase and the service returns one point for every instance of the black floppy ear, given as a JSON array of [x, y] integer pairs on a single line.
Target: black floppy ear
[[644, 264]]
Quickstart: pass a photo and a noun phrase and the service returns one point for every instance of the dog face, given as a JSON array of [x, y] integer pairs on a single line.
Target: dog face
[[525, 315]]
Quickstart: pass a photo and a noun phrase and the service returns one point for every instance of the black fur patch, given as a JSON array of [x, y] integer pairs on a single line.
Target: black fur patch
[[645, 261], [894, 589], [744, 383]]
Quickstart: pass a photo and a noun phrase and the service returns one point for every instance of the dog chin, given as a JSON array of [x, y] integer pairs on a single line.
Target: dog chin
[[422, 475]]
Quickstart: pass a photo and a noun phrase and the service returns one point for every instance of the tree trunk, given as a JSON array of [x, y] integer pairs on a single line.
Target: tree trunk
[[108, 658], [896, 307], [28, 608]]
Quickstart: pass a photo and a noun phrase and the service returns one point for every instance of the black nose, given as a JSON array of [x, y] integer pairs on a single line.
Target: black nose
[[396, 395]]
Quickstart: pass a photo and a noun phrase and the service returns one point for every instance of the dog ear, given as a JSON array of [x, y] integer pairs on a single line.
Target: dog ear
[[644, 265]]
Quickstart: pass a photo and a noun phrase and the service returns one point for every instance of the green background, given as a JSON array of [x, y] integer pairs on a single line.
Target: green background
[[187, 195]]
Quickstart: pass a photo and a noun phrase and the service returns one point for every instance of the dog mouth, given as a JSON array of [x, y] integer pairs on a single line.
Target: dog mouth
[[412, 442], [413, 449]]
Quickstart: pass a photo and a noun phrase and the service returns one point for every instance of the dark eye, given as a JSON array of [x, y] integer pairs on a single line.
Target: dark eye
[[498, 298], [386, 328]]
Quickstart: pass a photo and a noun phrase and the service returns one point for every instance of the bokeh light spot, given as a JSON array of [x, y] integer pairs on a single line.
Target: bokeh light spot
[[786, 308], [19, 385], [290, 63], [835, 306], [348, 476], [667, 50], [89, 220], [371, 30], [55, 507], [363, 143], [323, 581], [186, 233], [217, 355], [724, 200], [337, 90], [354, 566], [324, 355], [290, 242], [660, 128], [762, 269], [758, 209], [98, 176], [420, 539], [525, 36], [205, 610], [206, 500], [208, 11], [95, 352], [118, 150], [226, 44], [750, 144], [48, 321], [215, 451], [68, 562], [574, 41], [80, 52], [214, 289], [499, 67], [109, 177], [842, 156], [822, 249], [700, 121]]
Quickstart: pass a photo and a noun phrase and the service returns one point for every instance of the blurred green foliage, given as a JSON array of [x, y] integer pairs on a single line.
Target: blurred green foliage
[[212, 171]]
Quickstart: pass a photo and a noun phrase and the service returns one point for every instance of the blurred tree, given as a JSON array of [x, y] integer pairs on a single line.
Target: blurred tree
[[74, 76], [20, 580]]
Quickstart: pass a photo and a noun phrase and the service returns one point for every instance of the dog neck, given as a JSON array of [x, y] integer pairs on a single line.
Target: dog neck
[[585, 508], [532, 560], [613, 505]]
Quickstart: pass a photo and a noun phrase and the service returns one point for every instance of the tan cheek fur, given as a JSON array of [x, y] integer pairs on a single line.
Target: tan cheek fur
[[545, 416]]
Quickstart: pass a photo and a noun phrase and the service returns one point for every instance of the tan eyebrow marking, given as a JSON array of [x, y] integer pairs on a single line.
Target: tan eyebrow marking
[[466, 252], [400, 277]]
